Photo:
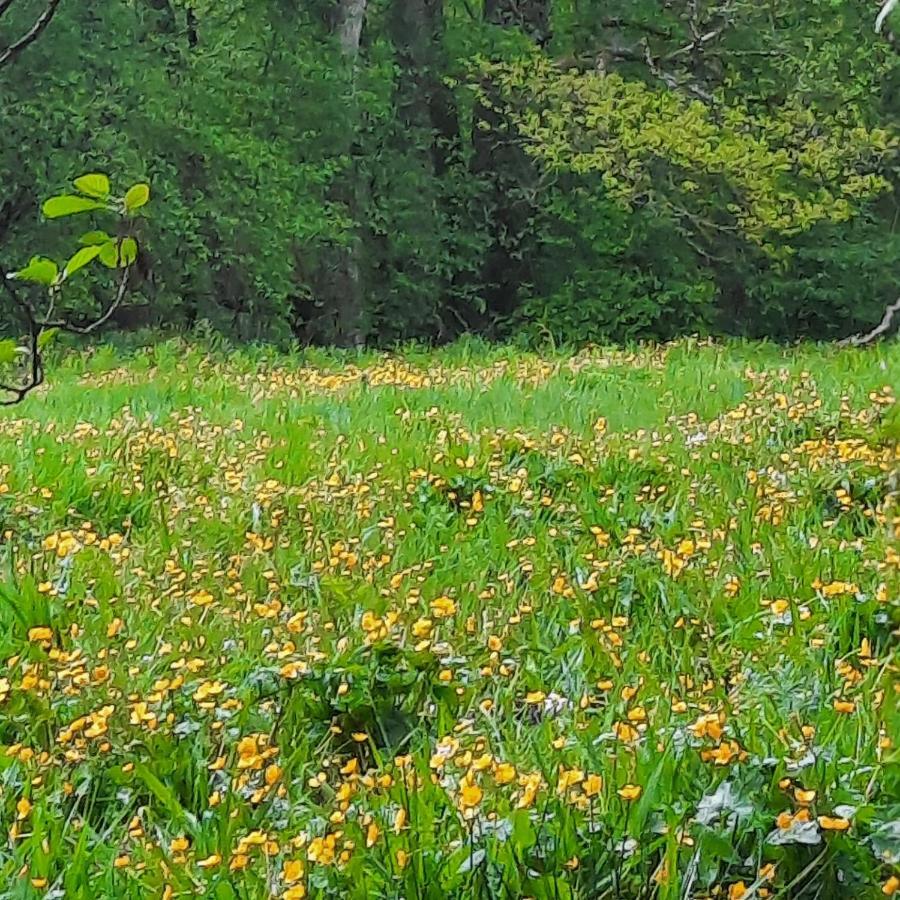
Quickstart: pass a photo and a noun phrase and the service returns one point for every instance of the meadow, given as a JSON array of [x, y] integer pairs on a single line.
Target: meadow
[[460, 623]]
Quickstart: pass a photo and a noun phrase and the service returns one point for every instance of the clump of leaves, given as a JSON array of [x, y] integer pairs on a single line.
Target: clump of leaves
[[22, 360]]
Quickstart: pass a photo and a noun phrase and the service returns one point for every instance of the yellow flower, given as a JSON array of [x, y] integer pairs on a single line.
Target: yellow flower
[[724, 753], [569, 778], [402, 859], [530, 784], [321, 850], [469, 794], [505, 773], [630, 791], [293, 870], [827, 823], [535, 697], [372, 833], [443, 607], [40, 633], [23, 807], [592, 786], [210, 861], [297, 892], [625, 733]]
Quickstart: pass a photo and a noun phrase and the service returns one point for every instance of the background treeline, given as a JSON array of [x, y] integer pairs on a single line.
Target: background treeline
[[356, 171]]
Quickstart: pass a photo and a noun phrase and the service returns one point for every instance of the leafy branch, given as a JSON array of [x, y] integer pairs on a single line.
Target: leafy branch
[[43, 320]]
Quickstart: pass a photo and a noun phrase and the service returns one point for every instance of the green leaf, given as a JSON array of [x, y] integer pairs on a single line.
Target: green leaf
[[137, 197], [92, 238], [115, 253], [163, 793], [8, 352], [128, 251], [80, 260], [40, 271], [68, 205], [45, 338], [109, 254], [94, 185]]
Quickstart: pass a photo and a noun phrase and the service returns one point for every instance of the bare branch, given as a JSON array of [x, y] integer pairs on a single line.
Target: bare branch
[[11, 52], [619, 22], [886, 10], [860, 340], [36, 326], [35, 375], [90, 326], [672, 82]]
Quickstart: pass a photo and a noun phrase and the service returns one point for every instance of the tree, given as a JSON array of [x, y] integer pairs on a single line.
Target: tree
[[343, 282], [340, 172], [42, 277], [116, 252]]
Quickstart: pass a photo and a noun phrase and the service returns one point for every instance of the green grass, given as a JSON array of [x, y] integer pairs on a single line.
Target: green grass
[[662, 656]]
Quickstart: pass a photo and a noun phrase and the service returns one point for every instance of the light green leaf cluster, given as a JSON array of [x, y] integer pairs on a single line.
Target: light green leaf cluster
[[777, 175]]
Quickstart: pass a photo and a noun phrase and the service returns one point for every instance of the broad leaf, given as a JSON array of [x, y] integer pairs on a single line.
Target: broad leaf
[[80, 260], [39, 271], [128, 251], [137, 197], [109, 254], [118, 252], [94, 238], [45, 338], [8, 352], [94, 185], [68, 205]]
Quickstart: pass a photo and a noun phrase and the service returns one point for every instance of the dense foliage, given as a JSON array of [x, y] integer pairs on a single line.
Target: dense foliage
[[372, 170]]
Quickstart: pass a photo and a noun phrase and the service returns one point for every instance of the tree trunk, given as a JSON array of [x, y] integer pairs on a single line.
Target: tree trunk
[[507, 172], [427, 137], [349, 20], [343, 279], [424, 101]]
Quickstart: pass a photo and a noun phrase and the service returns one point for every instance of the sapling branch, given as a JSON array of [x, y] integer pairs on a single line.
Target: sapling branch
[[30, 36], [861, 340]]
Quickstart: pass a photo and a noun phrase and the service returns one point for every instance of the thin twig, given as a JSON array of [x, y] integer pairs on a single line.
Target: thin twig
[[36, 366], [31, 35], [87, 327]]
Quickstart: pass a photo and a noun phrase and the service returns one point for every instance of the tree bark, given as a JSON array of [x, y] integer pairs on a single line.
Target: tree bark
[[344, 276], [417, 31], [348, 26], [506, 171]]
